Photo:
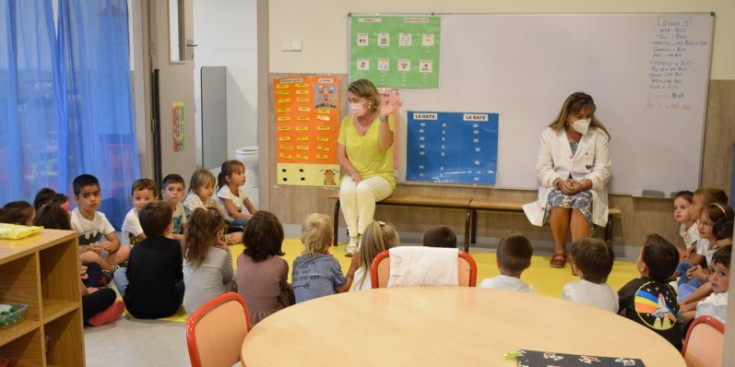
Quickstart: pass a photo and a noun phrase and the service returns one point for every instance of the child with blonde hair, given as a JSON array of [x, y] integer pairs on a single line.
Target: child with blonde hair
[[201, 189], [207, 260], [513, 257], [377, 238], [231, 195], [316, 273]]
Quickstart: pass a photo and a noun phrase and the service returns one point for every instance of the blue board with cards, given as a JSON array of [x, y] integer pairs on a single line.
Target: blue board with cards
[[452, 147]]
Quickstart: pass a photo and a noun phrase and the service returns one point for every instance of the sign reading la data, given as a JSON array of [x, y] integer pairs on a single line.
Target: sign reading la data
[[452, 147]]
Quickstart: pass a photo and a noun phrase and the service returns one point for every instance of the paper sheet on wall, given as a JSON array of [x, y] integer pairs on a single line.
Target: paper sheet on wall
[[179, 133], [395, 51], [307, 125], [452, 147]]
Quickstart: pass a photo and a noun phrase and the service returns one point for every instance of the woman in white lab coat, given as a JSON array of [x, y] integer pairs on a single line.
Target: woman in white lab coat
[[573, 169]]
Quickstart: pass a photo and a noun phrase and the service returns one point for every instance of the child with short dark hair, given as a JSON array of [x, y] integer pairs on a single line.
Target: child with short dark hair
[[262, 274], [154, 272], [650, 300], [715, 304], [513, 257], [440, 236], [687, 224], [232, 195], [46, 196], [208, 262], [143, 192], [592, 260], [172, 192], [316, 273], [98, 242], [17, 212]]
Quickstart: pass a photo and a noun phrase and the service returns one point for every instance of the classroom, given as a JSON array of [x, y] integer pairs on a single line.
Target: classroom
[[229, 57]]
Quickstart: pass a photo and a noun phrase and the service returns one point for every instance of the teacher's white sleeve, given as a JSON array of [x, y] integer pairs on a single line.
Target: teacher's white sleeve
[[545, 162], [600, 174]]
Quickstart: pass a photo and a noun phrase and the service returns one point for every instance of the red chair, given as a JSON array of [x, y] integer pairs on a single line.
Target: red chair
[[704, 343], [215, 332], [380, 270]]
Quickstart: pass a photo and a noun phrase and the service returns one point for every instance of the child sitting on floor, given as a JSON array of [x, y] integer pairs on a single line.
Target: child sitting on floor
[[377, 238], [155, 286], [143, 192], [592, 260], [687, 224], [715, 304], [201, 189], [262, 275], [208, 262], [316, 273], [513, 257], [172, 192], [232, 195], [440, 236], [18, 212], [650, 300]]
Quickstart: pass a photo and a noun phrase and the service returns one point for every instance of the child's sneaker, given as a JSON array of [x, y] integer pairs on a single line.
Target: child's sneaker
[[111, 314]]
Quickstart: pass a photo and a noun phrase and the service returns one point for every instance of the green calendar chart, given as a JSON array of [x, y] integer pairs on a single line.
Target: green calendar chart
[[395, 51]]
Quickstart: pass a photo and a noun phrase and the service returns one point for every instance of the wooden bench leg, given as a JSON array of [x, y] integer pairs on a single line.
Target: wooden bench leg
[[467, 225], [609, 229], [336, 223], [473, 226]]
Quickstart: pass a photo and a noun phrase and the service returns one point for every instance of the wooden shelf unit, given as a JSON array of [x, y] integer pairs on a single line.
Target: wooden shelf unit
[[42, 271]]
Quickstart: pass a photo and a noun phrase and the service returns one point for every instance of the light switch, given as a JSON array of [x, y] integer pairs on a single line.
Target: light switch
[[291, 45]]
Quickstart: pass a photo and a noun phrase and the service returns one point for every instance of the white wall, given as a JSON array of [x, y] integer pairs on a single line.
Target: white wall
[[225, 32], [323, 27]]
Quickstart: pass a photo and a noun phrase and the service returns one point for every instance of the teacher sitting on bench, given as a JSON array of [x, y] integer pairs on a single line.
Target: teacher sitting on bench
[[365, 152], [573, 169]]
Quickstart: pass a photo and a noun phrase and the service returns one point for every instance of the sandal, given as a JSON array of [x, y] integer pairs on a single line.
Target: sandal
[[558, 261]]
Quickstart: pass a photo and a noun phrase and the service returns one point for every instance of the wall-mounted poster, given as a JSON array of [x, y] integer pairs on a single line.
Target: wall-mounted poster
[[452, 147], [307, 125], [179, 133], [395, 51]]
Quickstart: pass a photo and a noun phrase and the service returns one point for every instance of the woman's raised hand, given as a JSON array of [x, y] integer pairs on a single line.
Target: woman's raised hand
[[390, 105]]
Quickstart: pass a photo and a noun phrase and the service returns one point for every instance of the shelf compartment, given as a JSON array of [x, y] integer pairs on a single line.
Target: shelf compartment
[[53, 309], [60, 277], [19, 284], [25, 350], [16, 331], [63, 344]]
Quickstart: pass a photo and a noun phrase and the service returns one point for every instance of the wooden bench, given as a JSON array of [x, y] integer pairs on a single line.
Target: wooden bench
[[517, 207], [418, 201]]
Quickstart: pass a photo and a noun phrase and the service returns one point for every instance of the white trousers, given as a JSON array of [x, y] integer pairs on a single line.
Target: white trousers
[[358, 201]]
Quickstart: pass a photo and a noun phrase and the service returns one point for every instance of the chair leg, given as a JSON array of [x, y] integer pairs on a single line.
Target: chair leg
[[336, 223], [609, 229]]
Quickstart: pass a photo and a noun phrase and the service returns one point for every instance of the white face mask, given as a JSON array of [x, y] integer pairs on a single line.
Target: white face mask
[[581, 125], [357, 109]]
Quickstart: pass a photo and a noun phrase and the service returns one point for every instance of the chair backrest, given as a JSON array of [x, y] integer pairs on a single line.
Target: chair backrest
[[380, 270], [704, 343], [215, 332]]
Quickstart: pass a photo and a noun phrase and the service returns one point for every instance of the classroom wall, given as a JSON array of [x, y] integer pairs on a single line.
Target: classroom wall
[[225, 32], [323, 31]]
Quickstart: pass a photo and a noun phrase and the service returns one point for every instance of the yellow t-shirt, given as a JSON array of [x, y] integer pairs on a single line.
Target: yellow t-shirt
[[365, 153]]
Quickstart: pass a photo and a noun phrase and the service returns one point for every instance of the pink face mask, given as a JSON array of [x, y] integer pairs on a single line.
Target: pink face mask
[[357, 109]]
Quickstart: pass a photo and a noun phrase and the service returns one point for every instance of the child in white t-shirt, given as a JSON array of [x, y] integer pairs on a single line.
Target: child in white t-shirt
[[231, 195], [716, 304], [687, 224], [143, 192], [592, 260], [513, 257]]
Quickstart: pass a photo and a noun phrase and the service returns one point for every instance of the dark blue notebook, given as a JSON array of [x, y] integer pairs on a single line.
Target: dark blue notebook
[[533, 358]]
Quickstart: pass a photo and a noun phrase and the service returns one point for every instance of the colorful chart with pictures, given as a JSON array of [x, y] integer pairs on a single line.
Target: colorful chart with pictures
[[452, 147], [395, 51], [179, 134], [307, 125]]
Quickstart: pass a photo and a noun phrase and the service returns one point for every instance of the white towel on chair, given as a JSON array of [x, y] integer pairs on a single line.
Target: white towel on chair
[[418, 265]]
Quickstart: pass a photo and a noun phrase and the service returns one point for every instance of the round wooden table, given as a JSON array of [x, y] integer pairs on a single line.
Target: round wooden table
[[444, 326]]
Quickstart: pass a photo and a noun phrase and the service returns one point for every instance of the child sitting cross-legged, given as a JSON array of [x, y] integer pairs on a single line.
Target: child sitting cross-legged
[[592, 260], [650, 300], [513, 257], [143, 192], [316, 273], [155, 279]]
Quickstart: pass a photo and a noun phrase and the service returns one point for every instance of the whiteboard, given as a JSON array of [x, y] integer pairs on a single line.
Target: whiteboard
[[648, 74]]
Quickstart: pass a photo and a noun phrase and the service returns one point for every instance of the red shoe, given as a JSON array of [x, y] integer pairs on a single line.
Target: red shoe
[[111, 314], [558, 261]]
